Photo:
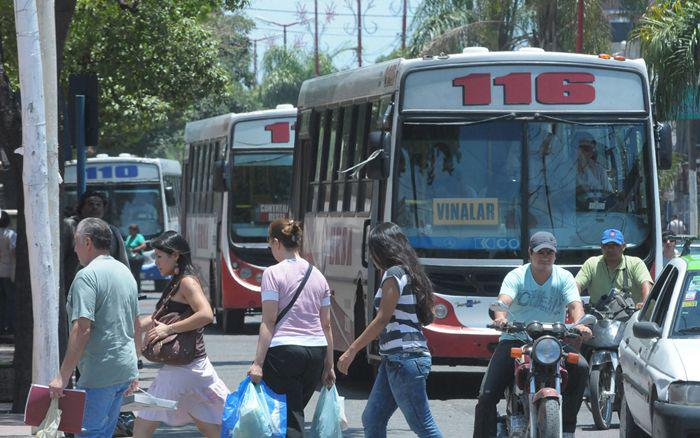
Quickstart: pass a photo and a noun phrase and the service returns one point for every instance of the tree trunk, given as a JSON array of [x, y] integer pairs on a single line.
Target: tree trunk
[[35, 180], [47, 33], [10, 139]]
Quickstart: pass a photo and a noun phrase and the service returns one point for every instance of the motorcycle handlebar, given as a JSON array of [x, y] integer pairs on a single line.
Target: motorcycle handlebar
[[516, 327]]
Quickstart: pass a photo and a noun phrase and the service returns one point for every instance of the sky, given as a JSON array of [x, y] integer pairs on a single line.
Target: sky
[[337, 30]]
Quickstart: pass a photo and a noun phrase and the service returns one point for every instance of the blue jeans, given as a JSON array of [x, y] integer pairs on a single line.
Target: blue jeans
[[102, 410], [400, 383]]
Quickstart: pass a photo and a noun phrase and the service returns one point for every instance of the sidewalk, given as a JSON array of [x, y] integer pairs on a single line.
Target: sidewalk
[[10, 424]]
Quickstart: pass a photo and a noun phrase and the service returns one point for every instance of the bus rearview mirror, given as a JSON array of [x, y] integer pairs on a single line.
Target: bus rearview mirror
[[664, 146], [219, 180], [378, 167], [170, 200]]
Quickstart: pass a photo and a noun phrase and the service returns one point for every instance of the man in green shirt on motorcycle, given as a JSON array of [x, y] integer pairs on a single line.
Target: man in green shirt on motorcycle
[[614, 270]]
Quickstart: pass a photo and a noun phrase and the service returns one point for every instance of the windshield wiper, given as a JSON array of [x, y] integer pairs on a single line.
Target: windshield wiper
[[695, 329], [618, 121], [472, 122]]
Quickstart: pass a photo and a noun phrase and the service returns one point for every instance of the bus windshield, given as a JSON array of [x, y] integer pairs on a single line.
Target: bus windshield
[[261, 191], [461, 188], [140, 204]]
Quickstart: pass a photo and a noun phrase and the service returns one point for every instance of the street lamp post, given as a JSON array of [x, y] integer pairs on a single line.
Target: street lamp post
[[284, 27]]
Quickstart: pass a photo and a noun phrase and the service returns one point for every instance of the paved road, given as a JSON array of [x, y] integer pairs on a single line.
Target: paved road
[[452, 390]]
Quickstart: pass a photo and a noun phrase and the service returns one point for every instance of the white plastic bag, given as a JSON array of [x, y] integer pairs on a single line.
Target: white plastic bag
[[49, 427], [254, 411], [329, 417], [255, 420]]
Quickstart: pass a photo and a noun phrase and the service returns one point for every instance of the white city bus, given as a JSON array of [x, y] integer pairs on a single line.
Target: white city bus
[[144, 191], [470, 154], [238, 172]]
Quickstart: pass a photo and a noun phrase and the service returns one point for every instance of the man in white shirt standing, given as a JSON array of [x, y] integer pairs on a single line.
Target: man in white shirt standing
[[8, 243], [676, 226]]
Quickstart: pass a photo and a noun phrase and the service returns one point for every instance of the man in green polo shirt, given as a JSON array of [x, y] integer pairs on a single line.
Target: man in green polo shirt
[[613, 269]]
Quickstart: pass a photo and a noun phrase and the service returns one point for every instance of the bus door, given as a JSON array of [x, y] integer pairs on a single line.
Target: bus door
[[381, 120]]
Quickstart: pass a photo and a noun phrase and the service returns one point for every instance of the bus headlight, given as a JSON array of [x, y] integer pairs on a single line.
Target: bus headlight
[[440, 311], [245, 273], [258, 277], [547, 351]]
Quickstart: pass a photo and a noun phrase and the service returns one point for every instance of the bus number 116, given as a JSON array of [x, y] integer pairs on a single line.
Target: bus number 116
[[550, 88]]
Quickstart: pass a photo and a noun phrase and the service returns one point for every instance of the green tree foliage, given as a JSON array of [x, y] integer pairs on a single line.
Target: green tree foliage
[[448, 26], [669, 35], [284, 71], [235, 57], [151, 63]]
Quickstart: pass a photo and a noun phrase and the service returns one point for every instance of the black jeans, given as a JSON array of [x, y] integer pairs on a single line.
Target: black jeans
[[295, 371], [135, 264], [499, 376], [7, 305]]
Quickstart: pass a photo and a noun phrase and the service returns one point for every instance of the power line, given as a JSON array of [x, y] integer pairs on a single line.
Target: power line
[[340, 14], [326, 34]]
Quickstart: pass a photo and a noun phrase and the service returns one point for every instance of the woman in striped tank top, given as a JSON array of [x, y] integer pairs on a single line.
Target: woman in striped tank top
[[404, 303]]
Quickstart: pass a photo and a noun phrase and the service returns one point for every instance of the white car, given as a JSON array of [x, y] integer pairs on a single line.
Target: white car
[[660, 357]]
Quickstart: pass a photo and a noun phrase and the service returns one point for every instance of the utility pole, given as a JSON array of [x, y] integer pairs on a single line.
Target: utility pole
[[359, 33], [317, 61], [579, 36], [255, 54], [403, 25], [284, 27]]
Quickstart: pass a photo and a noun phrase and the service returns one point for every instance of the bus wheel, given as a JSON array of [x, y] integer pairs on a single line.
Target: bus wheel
[[233, 320]]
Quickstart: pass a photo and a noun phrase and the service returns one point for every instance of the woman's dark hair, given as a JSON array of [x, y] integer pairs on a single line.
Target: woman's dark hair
[[389, 247], [170, 242], [4, 219], [286, 231], [134, 227]]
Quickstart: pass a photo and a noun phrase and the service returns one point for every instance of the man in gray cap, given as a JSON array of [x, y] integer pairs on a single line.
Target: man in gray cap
[[537, 291]]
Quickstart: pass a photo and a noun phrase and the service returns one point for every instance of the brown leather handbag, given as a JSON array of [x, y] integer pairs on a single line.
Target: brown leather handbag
[[175, 349]]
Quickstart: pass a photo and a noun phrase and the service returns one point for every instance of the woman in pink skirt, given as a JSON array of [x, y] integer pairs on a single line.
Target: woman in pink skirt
[[198, 390]]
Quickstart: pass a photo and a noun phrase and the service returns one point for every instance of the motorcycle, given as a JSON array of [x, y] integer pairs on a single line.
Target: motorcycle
[[605, 378], [534, 400]]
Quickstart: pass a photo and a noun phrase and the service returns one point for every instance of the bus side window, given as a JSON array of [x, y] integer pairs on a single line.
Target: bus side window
[[333, 148], [321, 161], [373, 119], [364, 112], [350, 142]]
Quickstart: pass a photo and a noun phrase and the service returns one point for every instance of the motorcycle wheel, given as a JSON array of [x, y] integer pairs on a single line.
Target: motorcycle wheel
[[548, 422], [601, 404]]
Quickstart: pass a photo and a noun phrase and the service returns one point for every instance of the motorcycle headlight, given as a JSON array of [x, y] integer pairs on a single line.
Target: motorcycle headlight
[[684, 393], [547, 351]]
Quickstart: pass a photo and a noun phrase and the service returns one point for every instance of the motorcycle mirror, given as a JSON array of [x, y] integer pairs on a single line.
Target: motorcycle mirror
[[586, 319]]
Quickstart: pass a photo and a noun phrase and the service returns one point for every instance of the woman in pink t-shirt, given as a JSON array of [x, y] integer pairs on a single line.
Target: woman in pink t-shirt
[[294, 353]]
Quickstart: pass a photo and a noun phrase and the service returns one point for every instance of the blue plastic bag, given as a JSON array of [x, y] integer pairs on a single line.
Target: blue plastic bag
[[254, 411], [329, 417]]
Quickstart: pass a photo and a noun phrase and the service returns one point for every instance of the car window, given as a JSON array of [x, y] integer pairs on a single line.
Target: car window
[[687, 320], [661, 308], [650, 303]]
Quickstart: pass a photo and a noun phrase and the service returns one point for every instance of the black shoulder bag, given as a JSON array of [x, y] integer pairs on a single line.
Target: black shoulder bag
[[296, 295]]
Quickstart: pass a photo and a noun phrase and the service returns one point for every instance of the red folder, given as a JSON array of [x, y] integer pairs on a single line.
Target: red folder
[[72, 407]]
